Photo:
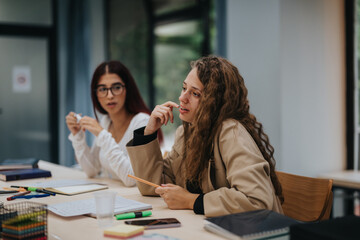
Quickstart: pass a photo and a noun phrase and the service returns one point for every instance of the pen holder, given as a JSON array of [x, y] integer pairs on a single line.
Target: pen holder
[[23, 220]]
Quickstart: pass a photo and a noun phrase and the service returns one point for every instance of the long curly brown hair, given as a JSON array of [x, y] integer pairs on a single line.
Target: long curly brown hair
[[224, 97]]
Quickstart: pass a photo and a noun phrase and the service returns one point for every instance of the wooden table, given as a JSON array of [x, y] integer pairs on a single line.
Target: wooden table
[[349, 182], [83, 227], [345, 179]]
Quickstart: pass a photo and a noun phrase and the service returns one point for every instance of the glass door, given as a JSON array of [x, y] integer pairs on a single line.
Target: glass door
[[24, 98]]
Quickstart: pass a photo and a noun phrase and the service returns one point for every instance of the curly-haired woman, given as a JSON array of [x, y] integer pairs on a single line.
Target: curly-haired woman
[[222, 161]]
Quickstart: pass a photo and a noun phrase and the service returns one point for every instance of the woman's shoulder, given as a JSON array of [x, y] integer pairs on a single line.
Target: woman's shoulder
[[104, 120], [141, 116], [234, 127], [230, 123]]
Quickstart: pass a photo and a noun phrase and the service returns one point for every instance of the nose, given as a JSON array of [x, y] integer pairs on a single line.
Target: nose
[[109, 93], [184, 97]]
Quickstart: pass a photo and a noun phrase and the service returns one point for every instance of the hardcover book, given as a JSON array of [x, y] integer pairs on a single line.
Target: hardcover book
[[19, 174], [258, 224], [21, 163]]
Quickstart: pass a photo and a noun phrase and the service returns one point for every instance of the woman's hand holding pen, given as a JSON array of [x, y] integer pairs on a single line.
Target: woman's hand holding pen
[[72, 123], [176, 197], [160, 116]]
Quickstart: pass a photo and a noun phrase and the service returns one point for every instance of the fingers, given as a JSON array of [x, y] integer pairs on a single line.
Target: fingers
[[164, 112]]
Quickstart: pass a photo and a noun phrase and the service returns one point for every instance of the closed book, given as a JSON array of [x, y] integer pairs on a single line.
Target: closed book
[[258, 224], [18, 163], [19, 174]]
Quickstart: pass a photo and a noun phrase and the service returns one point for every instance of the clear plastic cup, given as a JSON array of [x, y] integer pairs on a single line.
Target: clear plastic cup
[[105, 201]]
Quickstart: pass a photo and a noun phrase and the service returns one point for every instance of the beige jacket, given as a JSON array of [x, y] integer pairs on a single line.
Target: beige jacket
[[238, 176]]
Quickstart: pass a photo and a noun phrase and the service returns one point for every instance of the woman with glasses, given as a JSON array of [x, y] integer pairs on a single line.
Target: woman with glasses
[[222, 161], [116, 97]]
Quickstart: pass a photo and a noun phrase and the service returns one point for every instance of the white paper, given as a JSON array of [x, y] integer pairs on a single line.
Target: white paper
[[21, 78], [87, 206]]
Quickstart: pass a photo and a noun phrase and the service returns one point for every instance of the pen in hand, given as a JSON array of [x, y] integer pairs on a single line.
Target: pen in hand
[[143, 181]]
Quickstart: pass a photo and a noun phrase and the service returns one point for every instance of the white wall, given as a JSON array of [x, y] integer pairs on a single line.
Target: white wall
[[291, 54]]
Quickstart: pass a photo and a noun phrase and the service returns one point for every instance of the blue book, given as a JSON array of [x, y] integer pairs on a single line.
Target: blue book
[[20, 174]]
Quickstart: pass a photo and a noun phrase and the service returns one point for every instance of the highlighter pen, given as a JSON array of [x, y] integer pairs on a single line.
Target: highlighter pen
[[34, 189], [133, 215], [40, 190]]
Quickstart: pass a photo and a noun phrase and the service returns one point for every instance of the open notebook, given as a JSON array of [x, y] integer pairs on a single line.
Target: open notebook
[[88, 207], [69, 187]]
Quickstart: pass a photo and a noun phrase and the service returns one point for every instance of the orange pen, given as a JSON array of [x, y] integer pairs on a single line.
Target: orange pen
[[143, 181]]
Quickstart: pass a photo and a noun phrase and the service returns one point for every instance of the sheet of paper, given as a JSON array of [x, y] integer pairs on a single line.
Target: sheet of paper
[[87, 206]]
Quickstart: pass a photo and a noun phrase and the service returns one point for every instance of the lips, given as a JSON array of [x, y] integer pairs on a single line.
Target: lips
[[183, 110], [111, 104]]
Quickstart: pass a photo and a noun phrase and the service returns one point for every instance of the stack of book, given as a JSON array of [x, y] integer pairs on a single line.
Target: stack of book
[[17, 169]]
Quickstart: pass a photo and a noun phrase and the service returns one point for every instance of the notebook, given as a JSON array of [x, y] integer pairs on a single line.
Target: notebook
[[259, 224], [88, 207], [69, 187], [19, 174]]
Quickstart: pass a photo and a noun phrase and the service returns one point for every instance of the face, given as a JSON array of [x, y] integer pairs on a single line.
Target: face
[[190, 96], [112, 103]]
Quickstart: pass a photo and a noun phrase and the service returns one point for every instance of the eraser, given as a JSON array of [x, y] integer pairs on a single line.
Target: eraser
[[78, 117]]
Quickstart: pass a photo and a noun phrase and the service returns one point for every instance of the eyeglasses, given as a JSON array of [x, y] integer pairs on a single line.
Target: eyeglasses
[[116, 89]]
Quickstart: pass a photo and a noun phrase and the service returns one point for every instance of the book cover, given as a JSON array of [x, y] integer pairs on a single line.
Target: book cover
[[19, 174], [257, 224], [22, 163]]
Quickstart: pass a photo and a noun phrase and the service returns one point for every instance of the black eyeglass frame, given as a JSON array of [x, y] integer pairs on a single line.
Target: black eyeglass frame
[[111, 89]]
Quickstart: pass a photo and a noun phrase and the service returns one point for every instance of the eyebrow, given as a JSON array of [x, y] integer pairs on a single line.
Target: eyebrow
[[118, 83], [193, 87]]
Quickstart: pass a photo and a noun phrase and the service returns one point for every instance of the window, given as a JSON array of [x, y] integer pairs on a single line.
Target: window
[[157, 42]]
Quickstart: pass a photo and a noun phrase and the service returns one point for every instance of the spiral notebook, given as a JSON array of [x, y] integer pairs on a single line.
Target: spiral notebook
[[259, 224]]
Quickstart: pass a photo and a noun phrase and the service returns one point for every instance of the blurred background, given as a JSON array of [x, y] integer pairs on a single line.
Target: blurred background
[[299, 59]]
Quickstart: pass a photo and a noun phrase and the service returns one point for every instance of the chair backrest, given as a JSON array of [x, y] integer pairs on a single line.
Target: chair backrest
[[306, 199]]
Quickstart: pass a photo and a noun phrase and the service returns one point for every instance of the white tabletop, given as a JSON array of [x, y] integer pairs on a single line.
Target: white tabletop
[[83, 227]]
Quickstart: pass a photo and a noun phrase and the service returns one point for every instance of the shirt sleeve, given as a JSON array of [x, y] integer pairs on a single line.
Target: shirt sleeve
[[199, 204], [118, 159], [141, 139], [86, 157]]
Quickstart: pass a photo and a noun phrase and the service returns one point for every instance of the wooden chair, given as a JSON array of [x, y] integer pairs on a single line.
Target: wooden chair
[[306, 199]]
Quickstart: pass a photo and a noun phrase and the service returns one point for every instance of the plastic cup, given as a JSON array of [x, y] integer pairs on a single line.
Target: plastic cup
[[105, 201]]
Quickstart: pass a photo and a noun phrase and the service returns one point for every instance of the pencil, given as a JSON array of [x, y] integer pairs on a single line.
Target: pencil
[[143, 181]]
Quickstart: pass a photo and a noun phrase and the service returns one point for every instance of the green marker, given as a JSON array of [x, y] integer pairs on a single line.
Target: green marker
[[133, 215]]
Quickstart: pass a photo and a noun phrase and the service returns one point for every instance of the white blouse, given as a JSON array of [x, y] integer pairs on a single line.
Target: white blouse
[[106, 157]]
